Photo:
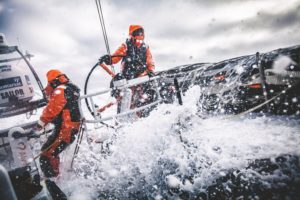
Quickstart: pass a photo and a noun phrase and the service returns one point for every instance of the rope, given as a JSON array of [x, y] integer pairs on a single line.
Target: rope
[[79, 139], [101, 20]]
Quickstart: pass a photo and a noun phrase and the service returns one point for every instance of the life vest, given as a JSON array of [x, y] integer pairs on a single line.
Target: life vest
[[71, 95], [135, 60]]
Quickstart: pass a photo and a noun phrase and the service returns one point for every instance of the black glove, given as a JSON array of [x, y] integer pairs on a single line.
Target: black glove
[[105, 59], [39, 126], [151, 74]]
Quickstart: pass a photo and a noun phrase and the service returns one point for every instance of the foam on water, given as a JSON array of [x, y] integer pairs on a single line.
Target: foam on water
[[175, 148]]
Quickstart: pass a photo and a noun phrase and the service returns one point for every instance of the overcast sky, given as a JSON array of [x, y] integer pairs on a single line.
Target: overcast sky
[[66, 34]]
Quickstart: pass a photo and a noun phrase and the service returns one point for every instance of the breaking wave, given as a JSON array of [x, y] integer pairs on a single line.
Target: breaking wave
[[178, 153]]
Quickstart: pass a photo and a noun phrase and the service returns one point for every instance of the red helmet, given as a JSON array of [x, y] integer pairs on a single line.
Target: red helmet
[[56, 77], [136, 32], [53, 74]]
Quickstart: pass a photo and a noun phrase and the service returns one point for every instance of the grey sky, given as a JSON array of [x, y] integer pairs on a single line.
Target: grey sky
[[66, 34]]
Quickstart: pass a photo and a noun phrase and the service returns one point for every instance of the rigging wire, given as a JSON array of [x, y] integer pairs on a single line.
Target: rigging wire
[[101, 19]]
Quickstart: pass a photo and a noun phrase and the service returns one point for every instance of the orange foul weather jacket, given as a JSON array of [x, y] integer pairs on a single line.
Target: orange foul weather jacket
[[136, 57], [63, 111], [62, 103]]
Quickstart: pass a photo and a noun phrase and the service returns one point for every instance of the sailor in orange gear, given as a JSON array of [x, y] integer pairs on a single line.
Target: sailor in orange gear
[[62, 110], [135, 55]]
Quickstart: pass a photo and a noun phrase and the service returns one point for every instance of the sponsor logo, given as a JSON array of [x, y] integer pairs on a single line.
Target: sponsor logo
[[5, 68], [12, 82], [8, 94]]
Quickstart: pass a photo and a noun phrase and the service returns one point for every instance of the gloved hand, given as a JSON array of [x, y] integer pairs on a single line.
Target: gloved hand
[[105, 59], [151, 74], [39, 126]]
